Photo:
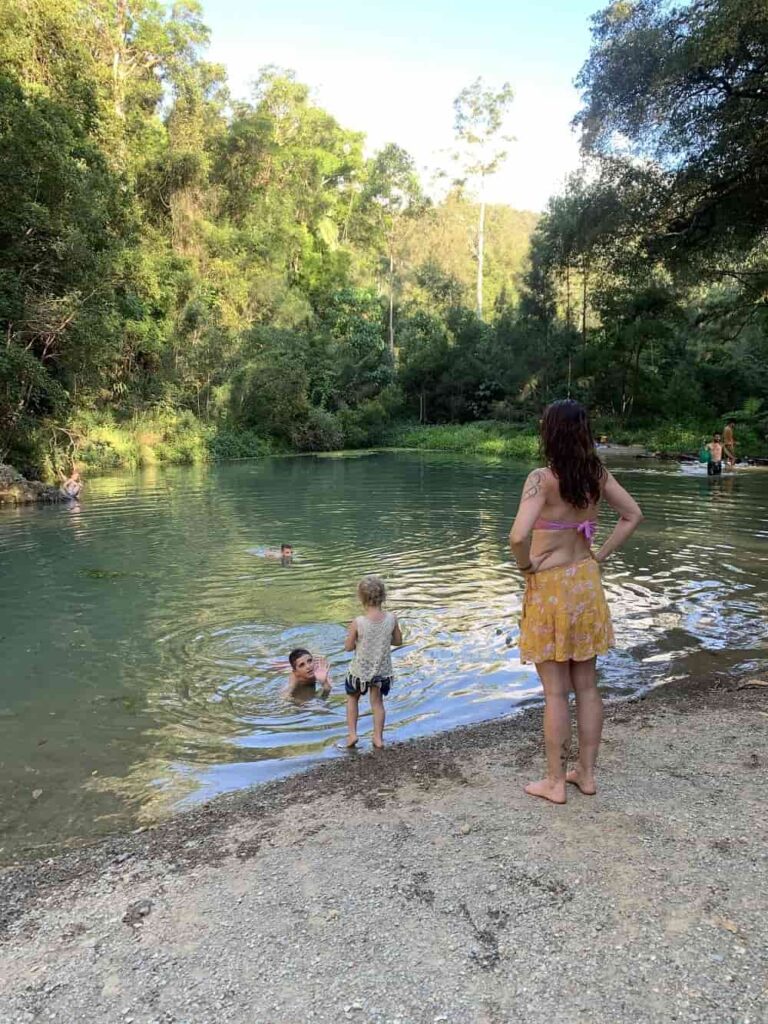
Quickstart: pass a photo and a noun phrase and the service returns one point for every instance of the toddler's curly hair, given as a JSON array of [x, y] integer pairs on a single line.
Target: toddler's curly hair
[[371, 591]]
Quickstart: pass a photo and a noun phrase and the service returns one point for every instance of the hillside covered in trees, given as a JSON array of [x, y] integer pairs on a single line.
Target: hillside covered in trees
[[171, 256], [187, 275]]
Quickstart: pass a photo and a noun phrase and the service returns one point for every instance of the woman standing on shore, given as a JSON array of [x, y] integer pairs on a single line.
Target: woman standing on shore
[[566, 622]]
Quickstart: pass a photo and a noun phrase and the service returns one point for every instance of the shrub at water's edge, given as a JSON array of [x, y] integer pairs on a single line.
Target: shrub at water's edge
[[684, 438], [485, 438], [493, 438], [99, 443]]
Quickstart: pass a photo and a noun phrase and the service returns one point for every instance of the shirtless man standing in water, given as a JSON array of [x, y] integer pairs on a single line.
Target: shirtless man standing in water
[[715, 464]]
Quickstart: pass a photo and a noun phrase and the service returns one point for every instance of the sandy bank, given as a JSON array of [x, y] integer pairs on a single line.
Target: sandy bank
[[422, 885]]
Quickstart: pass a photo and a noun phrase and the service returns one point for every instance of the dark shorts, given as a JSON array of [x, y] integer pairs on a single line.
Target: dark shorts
[[356, 687], [714, 468]]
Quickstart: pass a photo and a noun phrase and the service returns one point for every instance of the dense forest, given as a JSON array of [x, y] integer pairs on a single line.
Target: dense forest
[[188, 275], [649, 274]]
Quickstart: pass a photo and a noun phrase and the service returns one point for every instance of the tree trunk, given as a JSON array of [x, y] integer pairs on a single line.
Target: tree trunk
[[568, 294], [392, 303], [584, 284], [118, 58], [635, 374], [480, 250]]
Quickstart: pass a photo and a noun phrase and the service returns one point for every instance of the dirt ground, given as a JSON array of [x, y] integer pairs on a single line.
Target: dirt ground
[[420, 885]]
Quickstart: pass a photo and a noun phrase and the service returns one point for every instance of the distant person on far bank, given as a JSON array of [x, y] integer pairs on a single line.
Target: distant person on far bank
[[566, 622], [729, 443], [371, 636], [715, 464], [307, 672]]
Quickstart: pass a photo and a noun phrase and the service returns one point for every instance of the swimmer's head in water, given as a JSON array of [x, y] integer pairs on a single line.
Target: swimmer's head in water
[[286, 550], [303, 664]]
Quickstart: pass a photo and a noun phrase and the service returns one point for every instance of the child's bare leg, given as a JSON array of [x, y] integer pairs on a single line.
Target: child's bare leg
[[353, 701], [377, 707]]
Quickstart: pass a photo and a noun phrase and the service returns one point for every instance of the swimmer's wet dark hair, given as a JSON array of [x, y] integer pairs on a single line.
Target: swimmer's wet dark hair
[[299, 652], [284, 546], [371, 591]]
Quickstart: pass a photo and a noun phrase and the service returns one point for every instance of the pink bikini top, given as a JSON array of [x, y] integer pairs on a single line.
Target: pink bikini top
[[588, 528]]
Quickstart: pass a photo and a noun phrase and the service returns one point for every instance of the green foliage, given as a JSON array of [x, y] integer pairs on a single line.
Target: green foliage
[[479, 115], [226, 443], [319, 431], [645, 269], [369, 422], [686, 84], [472, 438], [99, 441], [238, 264]]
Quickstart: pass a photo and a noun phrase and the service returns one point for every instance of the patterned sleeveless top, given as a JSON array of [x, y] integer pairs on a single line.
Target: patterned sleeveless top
[[373, 654]]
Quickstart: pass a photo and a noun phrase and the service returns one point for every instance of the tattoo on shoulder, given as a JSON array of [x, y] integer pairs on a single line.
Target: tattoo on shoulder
[[533, 485]]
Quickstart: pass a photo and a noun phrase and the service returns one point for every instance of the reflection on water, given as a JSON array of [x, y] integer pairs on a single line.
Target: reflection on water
[[144, 635]]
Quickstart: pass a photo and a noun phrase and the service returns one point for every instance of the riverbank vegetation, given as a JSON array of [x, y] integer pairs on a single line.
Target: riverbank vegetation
[[185, 275], [489, 437]]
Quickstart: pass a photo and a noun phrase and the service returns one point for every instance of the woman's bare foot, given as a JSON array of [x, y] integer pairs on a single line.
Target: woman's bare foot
[[349, 744], [552, 791], [378, 743], [582, 782]]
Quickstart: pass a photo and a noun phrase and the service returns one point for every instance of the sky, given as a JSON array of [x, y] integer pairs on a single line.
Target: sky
[[392, 71]]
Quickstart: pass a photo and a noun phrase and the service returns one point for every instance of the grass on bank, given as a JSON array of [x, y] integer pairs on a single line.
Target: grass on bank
[[100, 443], [485, 438], [494, 438], [684, 438]]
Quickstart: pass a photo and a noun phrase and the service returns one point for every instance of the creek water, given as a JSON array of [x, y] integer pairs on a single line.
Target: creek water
[[143, 634]]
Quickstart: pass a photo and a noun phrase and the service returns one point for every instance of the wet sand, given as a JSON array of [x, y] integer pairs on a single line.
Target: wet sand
[[419, 884]]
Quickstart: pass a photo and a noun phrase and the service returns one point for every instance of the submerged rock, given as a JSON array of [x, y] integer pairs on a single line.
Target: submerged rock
[[16, 490]]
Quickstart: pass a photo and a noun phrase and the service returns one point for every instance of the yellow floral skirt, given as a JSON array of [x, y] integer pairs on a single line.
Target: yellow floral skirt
[[565, 614]]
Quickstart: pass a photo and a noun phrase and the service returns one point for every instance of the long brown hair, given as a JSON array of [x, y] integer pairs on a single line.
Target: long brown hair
[[569, 448]]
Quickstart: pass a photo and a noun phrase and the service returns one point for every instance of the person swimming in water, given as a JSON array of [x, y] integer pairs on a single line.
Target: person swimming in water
[[307, 672], [284, 554]]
